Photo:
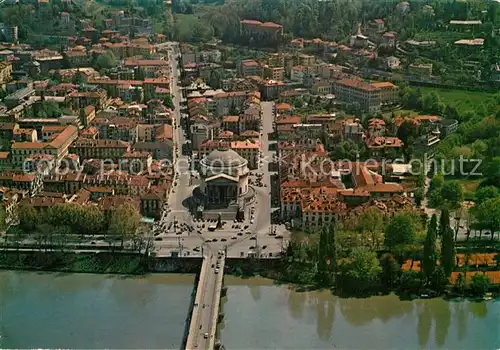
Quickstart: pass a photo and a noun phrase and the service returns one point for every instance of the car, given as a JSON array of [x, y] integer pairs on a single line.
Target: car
[[234, 237], [248, 233], [279, 237], [205, 335], [213, 266], [252, 248], [253, 238], [265, 185], [216, 271], [196, 249], [264, 246], [214, 240], [246, 226], [251, 222], [240, 233], [178, 233]]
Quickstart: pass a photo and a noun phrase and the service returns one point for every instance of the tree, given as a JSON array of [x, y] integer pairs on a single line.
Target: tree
[[48, 109], [28, 218], [419, 195], [407, 132], [447, 247], [362, 270], [444, 221], [3, 219], [485, 193], [451, 194], [488, 215], [92, 220], [168, 102], [410, 281], [439, 280], [493, 168], [124, 220], [400, 231], [371, 223], [480, 284], [437, 182], [106, 60], [345, 150], [430, 255], [460, 283], [327, 255], [390, 270]]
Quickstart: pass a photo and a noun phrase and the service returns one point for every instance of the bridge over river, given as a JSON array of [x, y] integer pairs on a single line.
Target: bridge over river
[[205, 312]]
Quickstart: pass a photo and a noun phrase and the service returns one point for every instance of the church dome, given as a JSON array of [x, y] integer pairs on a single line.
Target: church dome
[[224, 158]]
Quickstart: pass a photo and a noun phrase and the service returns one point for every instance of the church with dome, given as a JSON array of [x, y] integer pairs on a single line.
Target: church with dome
[[224, 174]]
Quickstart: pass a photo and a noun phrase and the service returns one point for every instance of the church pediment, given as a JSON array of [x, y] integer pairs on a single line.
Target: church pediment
[[221, 178]]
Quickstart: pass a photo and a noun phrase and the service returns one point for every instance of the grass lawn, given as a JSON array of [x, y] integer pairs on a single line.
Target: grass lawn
[[469, 187], [463, 101], [443, 36]]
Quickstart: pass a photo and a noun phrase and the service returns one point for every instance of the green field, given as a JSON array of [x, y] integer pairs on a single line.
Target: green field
[[464, 101]]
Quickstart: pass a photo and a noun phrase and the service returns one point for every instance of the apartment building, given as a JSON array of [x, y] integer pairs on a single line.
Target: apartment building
[[58, 147], [226, 101], [232, 123], [250, 68], [267, 29], [127, 49], [369, 96], [146, 68], [100, 149], [79, 100], [247, 149], [271, 89], [274, 73], [389, 93], [32, 182]]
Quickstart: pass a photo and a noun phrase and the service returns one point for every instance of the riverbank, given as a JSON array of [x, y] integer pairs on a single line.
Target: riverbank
[[138, 264], [129, 264]]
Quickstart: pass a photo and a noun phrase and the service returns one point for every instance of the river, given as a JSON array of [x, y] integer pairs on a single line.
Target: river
[[95, 311]]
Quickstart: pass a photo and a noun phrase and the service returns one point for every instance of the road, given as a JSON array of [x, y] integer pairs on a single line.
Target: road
[[263, 199], [181, 189]]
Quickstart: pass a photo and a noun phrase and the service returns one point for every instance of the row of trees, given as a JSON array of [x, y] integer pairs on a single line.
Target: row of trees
[[71, 218]]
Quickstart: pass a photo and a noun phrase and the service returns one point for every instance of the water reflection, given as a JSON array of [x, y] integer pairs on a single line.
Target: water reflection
[[461, 317], [325, 310], [296, 302], [291, 319], [424, 324], [359, 312], [478, 309], [442, 320], [255, 292]]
